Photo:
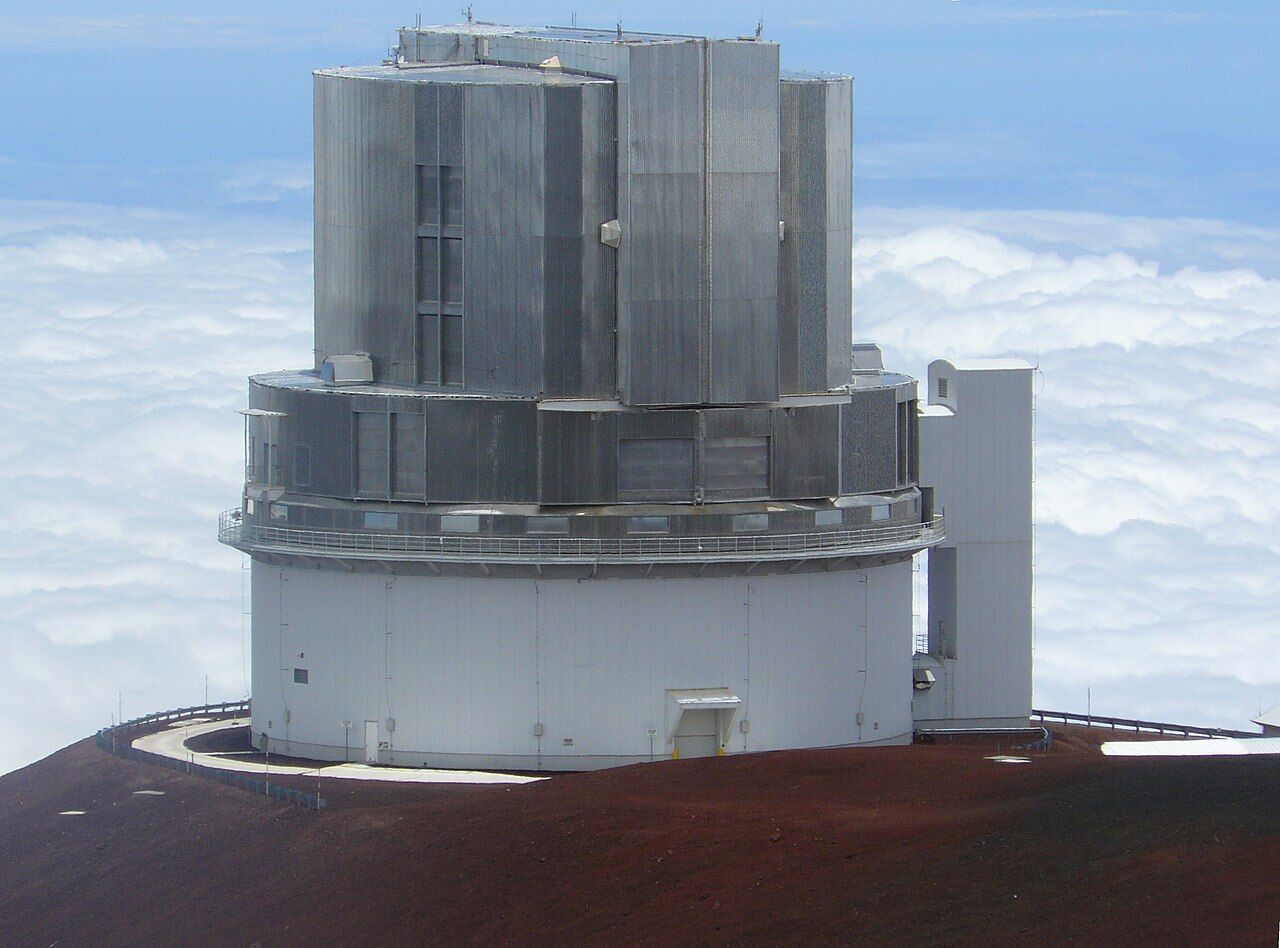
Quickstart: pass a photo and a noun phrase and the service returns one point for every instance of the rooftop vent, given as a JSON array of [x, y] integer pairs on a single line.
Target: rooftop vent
[[347, 370], [867, 357]]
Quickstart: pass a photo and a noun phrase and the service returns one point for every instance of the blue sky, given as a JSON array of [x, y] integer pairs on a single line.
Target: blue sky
[[1093, 187], [1161, 108]]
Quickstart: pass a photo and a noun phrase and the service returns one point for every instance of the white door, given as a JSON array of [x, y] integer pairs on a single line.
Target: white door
[[698, 734], [370, 742]]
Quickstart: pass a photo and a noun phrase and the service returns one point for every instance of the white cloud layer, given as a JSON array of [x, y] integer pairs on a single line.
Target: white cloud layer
[[1157, 433], [129, 334]]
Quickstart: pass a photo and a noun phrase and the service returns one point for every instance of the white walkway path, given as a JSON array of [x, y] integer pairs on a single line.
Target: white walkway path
[[172, 743]]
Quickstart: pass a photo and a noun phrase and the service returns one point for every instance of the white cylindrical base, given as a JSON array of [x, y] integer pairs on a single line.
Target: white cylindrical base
[[568, 674]]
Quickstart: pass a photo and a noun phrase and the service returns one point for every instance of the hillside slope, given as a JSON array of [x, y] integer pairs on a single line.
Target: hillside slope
[[835, 846]]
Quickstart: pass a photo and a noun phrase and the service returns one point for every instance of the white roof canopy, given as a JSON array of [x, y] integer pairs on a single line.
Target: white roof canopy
[[710, 703], [1269, 719]]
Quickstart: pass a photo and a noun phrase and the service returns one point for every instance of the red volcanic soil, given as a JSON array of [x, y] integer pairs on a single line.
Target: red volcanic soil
[[890, 845]]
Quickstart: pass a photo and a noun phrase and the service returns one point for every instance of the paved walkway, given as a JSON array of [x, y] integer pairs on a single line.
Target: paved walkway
[[1209, 747], [172, 743]]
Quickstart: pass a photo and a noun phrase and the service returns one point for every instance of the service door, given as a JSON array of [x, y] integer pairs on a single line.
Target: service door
[[698, 734], [370, 742]]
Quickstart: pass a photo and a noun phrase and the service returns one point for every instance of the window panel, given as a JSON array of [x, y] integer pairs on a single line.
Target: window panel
[[743, 523], [460, 523], [547, 525], [429, 349], [451, 271], [451, 187], [648, 525], [736, 467], [371, 452], [428, 194], [828, 518], [302, 465], [428, 269], [380, 520], [409, 446], [655, 466], [451, 344]]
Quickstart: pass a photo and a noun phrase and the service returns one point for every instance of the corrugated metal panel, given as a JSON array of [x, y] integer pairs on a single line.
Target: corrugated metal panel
[[805, 446], [802, 262], [599, 263], [658, 424], [506, 451], [663, 226], [839, 189], [736, 467], [577, 457], [426, 126], [742, 164], [578, 269], [408, 455], [372, 443], [679, 426], [451, 119], [562, 269], [667, 109], [451, 455], [480, 450], [423, 47], [868, 426], [324, 425], [364, 223], [735, 422], [655, 468], [503, 242], [816, 262], [743, 343], [664, 343]]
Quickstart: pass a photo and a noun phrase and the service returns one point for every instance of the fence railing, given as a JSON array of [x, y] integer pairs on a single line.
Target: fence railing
[[224, 709], [1150, 727], [115, 740], [891, 538]]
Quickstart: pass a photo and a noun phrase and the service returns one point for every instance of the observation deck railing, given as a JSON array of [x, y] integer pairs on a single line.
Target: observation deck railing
[[1137, 725], [118, 740], [819, 544]]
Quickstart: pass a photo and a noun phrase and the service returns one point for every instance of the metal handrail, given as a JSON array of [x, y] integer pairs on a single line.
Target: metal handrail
[[543, 549], [222, 708], [114, 740], [1139, 726]]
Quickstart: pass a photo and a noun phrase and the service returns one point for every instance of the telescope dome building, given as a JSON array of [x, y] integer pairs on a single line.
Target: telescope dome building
[[587, 469]]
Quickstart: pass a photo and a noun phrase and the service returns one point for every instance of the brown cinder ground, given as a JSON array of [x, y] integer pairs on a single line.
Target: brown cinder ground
[[893, 845]]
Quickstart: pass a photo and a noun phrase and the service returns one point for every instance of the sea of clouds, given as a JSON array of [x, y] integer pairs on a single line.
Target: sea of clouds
[[1157, 435], [128, 334]]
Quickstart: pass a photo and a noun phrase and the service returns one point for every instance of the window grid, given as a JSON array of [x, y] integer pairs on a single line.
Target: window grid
[[439, 265]]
